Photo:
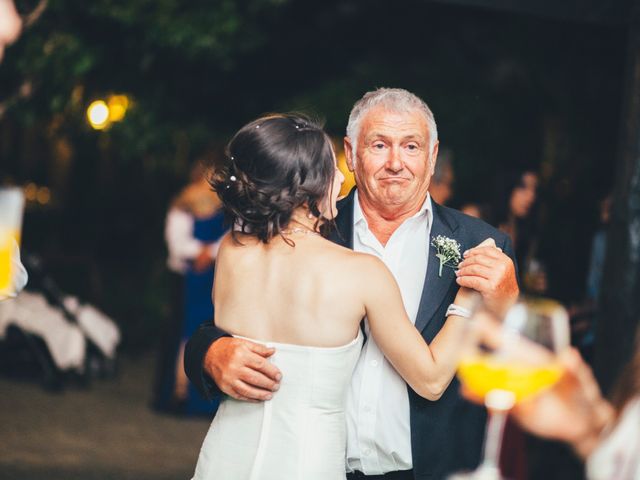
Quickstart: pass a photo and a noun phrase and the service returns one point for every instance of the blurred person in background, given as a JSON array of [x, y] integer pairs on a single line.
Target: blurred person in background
[[193, 228], [10, 25], [584, 314], [515, 198], [476, 210], [10, 28], [441, 185], [605, 434]]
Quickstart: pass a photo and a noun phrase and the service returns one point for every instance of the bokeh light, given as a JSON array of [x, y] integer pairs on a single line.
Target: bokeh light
[[98, 114], [43, 196], [118, 105]]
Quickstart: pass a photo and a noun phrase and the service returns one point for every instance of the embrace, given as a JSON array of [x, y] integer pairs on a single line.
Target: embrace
[[336, 329]]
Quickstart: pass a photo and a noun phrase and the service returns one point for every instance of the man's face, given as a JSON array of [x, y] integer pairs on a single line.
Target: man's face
[[393, 164]]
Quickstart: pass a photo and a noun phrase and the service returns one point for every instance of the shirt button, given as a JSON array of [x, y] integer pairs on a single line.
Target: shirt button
[[367, 409], [367, 452], [374, 363]]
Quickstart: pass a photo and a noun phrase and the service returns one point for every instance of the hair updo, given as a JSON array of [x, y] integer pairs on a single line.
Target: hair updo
[[274, 165]]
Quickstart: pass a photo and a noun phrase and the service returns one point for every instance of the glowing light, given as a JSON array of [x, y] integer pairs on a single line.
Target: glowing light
[[30, 192], [44, 195], [118, 105], [98, 114]]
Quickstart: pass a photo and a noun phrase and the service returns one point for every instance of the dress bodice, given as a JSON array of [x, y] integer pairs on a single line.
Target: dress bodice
[[299, 434]]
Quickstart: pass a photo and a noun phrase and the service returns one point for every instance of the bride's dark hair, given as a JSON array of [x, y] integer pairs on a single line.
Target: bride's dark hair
[[274, 165]]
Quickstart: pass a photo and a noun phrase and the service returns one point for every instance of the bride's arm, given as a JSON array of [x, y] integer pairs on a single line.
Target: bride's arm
[[428, 369]]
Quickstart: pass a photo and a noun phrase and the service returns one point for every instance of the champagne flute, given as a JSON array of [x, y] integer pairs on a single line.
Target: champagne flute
[[507, 359]]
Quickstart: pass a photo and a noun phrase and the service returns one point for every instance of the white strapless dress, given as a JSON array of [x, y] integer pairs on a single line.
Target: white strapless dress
[[300, 434]]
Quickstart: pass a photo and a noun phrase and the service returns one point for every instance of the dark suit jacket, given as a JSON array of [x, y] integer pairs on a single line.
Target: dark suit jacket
[[446, 435]]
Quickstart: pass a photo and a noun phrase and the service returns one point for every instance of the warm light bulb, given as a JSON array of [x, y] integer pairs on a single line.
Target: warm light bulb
[[98, 114], [118, 105]]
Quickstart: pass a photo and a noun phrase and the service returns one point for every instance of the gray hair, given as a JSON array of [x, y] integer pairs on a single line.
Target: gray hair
[[394, 99]]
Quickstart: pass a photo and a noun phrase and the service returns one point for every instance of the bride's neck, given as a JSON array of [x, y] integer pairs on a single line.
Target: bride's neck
[[302, 218]]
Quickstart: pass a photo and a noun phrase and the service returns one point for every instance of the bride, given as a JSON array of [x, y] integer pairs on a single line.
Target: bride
[[281, 283]]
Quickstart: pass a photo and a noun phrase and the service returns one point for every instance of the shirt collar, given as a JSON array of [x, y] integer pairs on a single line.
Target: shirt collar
[[426, 210]]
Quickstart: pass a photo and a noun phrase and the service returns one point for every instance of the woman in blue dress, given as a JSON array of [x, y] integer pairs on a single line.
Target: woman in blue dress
[[194, 225]]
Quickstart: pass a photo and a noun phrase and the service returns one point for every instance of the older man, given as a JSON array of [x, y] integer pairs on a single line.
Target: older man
[[391, 146]]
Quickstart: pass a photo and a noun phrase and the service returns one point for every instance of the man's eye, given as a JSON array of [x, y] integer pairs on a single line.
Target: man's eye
[[412, 146], [378, 145]]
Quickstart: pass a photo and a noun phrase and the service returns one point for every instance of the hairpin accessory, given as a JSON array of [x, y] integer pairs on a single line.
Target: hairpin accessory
[[233, 178]]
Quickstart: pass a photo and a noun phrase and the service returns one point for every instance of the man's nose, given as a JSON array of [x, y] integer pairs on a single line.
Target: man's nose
[[394, 162]]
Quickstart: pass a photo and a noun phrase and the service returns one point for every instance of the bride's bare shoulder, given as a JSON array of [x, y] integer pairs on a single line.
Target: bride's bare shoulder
[[358, 263]]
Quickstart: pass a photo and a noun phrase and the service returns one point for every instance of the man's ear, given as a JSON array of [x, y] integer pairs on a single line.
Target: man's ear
[[434, 156], [348, 153]]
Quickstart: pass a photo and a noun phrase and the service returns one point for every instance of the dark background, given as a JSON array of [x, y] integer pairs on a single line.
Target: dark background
[[538, 85]]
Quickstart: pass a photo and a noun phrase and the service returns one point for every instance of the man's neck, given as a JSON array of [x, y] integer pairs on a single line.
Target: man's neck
[[383, 221]]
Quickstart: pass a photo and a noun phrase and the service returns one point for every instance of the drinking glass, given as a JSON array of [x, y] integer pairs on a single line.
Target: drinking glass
[[11, 208], [507, 359]]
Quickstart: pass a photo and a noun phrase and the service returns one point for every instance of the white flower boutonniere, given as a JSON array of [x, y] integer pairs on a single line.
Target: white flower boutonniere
[[447, 251]]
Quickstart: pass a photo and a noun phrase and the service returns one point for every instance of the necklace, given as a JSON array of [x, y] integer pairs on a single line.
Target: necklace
[[305, 231]]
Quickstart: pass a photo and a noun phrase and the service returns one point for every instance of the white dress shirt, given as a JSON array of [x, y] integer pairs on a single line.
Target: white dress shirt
[[378, 427]]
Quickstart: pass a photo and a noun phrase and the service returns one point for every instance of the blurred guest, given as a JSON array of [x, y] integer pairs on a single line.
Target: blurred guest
[[193, 227], [477, 210], [514, 202], [18, 274], [10, 28], [471, 209], [604, 434], [10, 24], [598, 251], [441, 186], [515, 196], [584, 315]]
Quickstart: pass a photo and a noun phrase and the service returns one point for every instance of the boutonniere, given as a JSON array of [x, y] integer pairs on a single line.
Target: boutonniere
[[447, 251]]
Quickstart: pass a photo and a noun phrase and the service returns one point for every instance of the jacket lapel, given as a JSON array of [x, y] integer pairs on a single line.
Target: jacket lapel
[[343, 233], [436, 287]]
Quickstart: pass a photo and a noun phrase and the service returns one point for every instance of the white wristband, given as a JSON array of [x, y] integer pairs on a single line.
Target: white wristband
[[458, 311]]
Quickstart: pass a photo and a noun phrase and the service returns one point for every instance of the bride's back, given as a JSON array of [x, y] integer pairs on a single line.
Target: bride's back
[[303, 294], [277, 279]]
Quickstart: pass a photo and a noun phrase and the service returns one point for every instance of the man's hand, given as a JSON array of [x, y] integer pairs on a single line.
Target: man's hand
[[241, 370], [491, 272]]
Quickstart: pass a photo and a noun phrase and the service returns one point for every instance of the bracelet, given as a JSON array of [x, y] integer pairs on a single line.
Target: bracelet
[[459, 311]]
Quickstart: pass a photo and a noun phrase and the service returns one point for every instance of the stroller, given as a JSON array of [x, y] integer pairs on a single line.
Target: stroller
[[54, 337]]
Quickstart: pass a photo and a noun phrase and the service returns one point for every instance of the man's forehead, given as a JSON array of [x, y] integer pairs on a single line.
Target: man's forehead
[[385, 122]]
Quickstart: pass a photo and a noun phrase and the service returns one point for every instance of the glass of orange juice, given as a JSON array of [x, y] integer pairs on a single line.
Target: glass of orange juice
[[507, 359], [11, 209]]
